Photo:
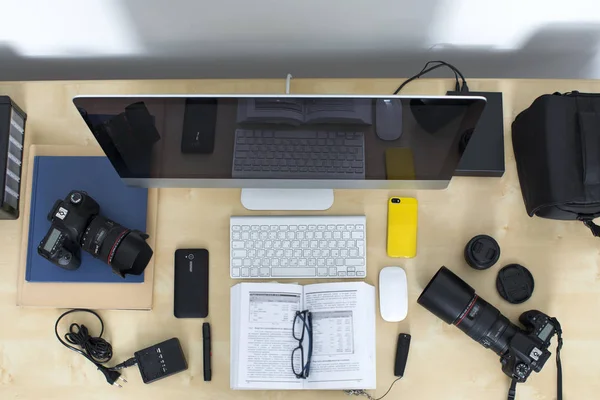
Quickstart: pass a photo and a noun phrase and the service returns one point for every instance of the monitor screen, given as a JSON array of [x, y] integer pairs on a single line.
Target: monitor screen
[[281, 141]]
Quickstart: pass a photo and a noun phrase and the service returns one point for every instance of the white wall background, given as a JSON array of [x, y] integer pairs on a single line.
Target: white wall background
[[110, 39]]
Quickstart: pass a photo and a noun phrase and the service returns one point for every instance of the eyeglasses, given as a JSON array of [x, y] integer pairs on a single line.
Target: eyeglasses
[[302, 325]]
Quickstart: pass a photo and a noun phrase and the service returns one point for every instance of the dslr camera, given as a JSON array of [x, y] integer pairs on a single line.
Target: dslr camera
[[77, 224], [521, 351]]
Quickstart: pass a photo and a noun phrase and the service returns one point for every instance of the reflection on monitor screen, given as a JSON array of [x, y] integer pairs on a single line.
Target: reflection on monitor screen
[[294, 141]]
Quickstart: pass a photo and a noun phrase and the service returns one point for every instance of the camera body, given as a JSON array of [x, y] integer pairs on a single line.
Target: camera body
[[528, 349], [70, 218], [77, 224]]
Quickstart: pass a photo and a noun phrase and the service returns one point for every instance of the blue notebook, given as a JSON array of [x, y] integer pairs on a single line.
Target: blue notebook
[[53, 179]]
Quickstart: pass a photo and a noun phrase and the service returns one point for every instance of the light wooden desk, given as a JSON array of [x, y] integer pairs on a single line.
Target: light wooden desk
[[443, 363]]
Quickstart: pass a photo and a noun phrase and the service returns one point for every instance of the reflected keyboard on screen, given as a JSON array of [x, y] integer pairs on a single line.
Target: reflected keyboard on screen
[[262, 154], [298, 247]]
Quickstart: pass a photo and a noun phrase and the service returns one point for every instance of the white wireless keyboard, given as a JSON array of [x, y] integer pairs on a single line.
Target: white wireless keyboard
[[298, 247]]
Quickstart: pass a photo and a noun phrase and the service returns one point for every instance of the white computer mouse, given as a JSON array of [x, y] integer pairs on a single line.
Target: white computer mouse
[[388, 119], [393, 294]]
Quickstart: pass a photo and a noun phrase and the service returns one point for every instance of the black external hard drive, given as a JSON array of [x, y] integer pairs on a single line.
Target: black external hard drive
[[484, 147], [191, 283]]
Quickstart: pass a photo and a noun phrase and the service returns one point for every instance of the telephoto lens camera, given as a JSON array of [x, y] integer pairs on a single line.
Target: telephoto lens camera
[[521, 351], [77, 223]]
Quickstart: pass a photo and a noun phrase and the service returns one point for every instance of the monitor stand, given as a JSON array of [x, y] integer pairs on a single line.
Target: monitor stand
[[287, 199]]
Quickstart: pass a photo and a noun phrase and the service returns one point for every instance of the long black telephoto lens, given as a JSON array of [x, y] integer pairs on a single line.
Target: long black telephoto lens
[[125, 250], [455, 302]]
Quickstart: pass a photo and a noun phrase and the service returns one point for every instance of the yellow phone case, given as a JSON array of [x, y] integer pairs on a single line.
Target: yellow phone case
[[402, 227]]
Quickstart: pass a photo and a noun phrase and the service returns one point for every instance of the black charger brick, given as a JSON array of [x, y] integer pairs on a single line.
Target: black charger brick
[[161, 360]]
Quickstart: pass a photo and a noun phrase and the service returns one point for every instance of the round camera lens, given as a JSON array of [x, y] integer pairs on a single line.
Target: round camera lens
[[190, 257], [395, 200]]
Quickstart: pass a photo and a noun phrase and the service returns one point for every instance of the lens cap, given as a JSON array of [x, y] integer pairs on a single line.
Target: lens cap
[[515, 283], [482, 252]]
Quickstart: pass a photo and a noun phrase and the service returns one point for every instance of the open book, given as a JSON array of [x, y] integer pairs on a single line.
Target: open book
[[343, 320], [274, 110]]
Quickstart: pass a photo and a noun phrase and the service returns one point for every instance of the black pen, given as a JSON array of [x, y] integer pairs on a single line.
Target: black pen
[[207, 351]]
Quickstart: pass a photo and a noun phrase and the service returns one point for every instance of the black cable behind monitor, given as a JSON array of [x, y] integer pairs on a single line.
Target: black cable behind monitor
[[439, 63]]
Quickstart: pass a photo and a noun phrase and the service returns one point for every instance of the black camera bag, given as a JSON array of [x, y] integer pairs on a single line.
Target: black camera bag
[[557, 149]]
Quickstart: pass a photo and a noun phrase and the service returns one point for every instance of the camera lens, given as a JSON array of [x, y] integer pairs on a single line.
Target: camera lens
[[126, 251], [455, 302], [395, 200]]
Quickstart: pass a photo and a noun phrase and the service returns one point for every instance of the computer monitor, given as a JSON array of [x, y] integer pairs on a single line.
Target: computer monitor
[[283, 141]]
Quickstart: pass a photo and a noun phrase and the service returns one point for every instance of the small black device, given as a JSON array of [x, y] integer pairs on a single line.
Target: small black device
[[521, 351], [154, 362], [77, 223], [191, 283], [483, 147], [161, 360], [12, 138], [401, 354], [482, 252], [207, 352], [199, 124]]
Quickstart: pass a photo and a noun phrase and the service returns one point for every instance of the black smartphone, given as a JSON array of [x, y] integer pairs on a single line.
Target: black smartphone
[[191, 283], [199, 124]]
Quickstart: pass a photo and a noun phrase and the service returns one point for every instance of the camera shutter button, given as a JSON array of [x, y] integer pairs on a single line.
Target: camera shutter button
[[76, 198]]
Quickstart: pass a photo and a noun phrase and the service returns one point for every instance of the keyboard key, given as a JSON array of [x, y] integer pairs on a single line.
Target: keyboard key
[[236, 262], [237, 245], [322, 271], [354, 262], [293, 272], [358, 235], [235, 272], [264, 272], [238, 253], [361, 247], [236, 228], [245, 272], [360, 273], [351, 273], [253, 271], [341, 273]]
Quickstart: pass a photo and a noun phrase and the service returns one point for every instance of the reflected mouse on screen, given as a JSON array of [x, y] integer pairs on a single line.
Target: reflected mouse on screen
[[388, 119]]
